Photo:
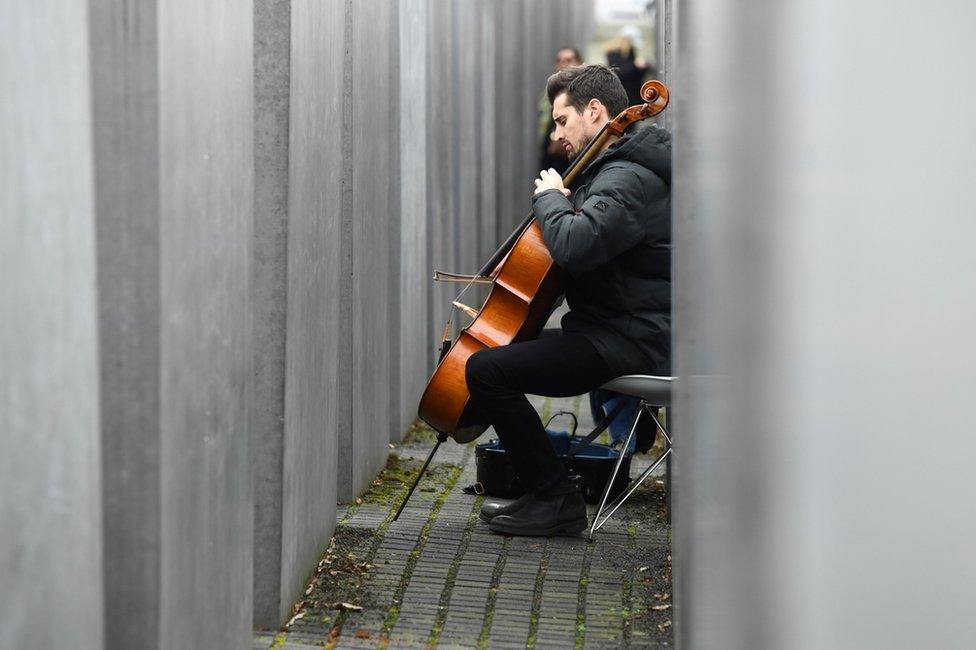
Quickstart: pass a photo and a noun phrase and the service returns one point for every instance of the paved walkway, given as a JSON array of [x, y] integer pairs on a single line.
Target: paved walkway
[[438, 577]]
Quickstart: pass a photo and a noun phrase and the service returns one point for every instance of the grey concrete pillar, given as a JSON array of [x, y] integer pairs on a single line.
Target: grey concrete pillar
[[485, 126], [50, 500], [172, 102], [272, 40], [509, 71], [366, 340], [398, 421], [442, 151], [298, 78], [824, 296], [340, 328], [530, 81], [540, 53], [415, 351], [665, 49], [126, 137], [466, 38], [206, 210]]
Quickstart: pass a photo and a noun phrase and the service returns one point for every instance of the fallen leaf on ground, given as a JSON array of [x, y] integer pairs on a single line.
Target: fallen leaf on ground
[[348, 607], [660, 608], [359, 501], [665, 625], [662, 595], [362, 634], [643, 569], [294, 618]]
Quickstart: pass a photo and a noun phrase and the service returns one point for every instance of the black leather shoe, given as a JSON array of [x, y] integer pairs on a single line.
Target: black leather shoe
[[557, 511], [491, 509]]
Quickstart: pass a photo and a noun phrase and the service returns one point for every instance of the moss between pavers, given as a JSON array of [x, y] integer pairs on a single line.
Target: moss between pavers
[[496, 577], [445, 600], [627, 592], [580, 628], [389, 483], [344, 569], [443, 476], [419, 433], [338, 578], [393, 614], [540, 579], [279, 642]]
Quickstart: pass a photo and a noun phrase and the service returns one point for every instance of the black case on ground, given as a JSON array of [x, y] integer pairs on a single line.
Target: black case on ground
[[594, 465]]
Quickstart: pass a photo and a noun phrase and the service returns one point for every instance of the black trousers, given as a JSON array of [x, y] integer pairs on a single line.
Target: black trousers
[[554, 365]]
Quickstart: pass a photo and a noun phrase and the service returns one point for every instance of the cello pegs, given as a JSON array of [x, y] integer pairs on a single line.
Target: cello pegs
[[473, 313]]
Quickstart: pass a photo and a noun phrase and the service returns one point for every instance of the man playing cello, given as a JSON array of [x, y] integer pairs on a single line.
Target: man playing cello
[[612, 236]]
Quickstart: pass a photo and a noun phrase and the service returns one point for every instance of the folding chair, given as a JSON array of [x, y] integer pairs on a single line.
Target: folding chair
[[653, 391]]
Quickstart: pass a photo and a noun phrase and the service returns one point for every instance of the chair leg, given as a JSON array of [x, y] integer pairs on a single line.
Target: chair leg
[[597, 523], [616, 469]]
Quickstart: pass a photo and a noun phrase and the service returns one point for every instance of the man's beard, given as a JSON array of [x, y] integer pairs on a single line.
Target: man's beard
[[573, 155]]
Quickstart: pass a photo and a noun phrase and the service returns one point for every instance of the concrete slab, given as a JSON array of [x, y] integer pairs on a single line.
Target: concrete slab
[[125, 100], [50, 486], [206, 194], [416, 339], [363, 440], [272, 67], [308, 471], [442, 164]]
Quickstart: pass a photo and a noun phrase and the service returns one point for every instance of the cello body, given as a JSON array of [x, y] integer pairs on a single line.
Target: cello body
[[525, 287]]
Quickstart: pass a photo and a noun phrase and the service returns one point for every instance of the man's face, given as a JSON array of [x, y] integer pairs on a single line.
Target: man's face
[[566, 59], [573, 130]]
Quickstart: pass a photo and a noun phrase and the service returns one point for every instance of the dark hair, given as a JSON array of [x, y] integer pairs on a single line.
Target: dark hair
[[576, 53], [583, 83]]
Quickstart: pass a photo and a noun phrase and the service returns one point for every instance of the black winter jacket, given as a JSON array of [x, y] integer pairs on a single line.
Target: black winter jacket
[[613, 238]]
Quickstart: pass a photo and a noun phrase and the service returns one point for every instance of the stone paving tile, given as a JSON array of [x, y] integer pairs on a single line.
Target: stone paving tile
[[439, 577]]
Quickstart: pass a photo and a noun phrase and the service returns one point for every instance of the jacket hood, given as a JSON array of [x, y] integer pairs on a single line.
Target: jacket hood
[[649, 147]]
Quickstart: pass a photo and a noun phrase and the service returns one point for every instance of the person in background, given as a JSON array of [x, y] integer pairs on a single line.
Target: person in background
[[632, 69], [552, 154]]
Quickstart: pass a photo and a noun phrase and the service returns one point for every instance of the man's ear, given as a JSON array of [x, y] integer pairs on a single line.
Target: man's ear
[[593, 108]]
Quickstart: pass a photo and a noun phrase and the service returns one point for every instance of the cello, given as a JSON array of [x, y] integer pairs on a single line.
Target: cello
[[525, 285]]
